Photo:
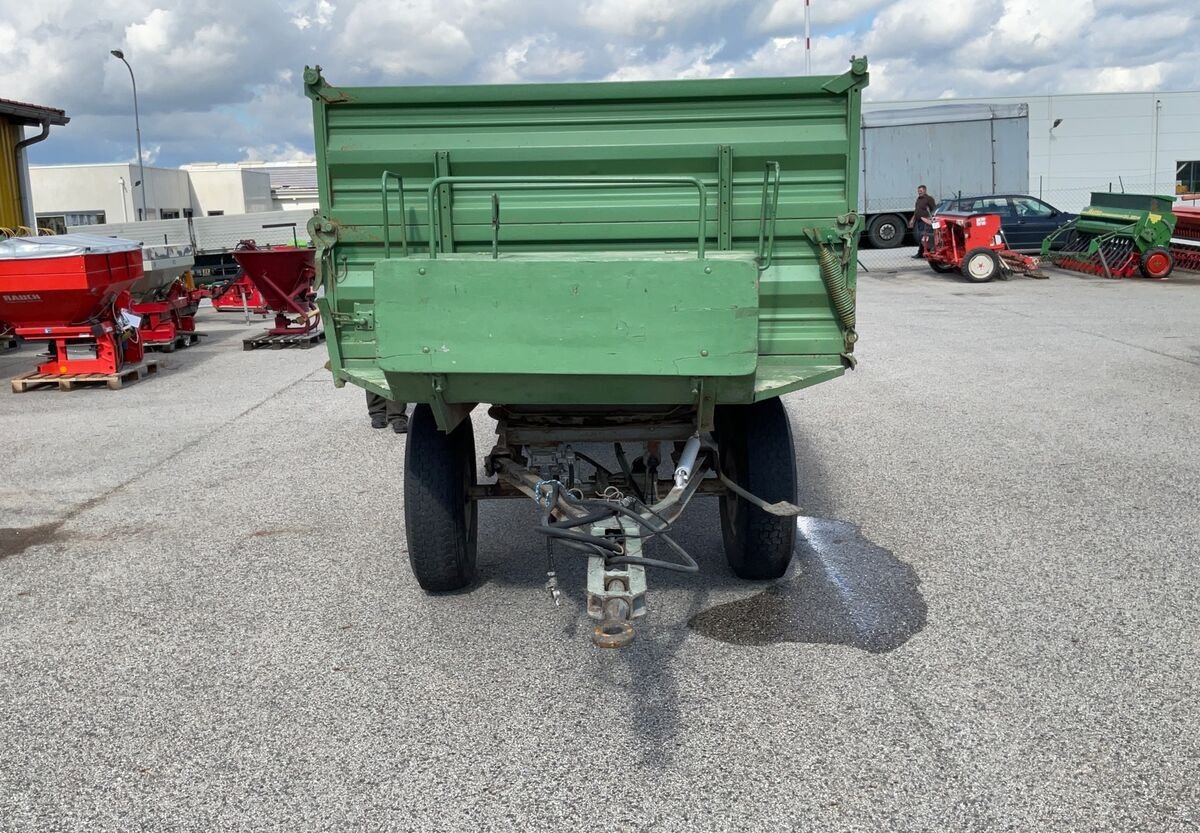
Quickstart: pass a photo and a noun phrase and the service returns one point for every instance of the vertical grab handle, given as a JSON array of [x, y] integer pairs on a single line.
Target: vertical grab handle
[[766, 237], [387, 226]]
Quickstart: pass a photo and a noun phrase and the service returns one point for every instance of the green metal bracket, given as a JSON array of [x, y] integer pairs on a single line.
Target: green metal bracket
[[706, 405], [477, 183], [448, 415], [445, 204], [387, 225], [856, 77], [766, 233], [495, 226], [725, 197], [315, 87]]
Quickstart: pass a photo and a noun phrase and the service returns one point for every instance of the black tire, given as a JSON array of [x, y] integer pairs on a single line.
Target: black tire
[[755, 445], [940, 268], [1156, 263], [980, 265], [440, 517], [887, 231]]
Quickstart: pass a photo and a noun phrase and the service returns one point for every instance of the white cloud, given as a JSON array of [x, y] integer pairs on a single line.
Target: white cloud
[[648, 18], [789, 14], [220, 79], [286, 152], [675, 63], [535, 58], [406, 38]]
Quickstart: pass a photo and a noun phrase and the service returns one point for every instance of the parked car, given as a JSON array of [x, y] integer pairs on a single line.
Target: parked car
[[1025, 220]]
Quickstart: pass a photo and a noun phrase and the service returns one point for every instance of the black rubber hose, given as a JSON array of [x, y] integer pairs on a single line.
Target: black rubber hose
[[610, 550]]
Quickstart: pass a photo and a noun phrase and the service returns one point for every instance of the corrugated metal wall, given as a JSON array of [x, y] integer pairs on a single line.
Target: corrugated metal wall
[[10, 177]]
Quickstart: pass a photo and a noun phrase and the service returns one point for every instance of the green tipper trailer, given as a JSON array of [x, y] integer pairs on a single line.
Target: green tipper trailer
[[648, 265]]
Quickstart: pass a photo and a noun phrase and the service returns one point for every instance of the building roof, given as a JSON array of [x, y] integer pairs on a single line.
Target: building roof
[[30, 114], [293, 177]]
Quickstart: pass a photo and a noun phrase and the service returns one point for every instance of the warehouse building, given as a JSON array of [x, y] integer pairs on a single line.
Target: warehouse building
[[16, 204], [1145, 142]]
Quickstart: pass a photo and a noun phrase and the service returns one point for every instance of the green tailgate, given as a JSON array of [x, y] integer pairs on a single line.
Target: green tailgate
[[523, 316], [669, 175]]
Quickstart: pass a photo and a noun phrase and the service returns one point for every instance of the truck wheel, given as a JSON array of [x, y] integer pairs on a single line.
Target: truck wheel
[[440, 516], [755, 446], [980, 265], [886, 231], [1156, 263]]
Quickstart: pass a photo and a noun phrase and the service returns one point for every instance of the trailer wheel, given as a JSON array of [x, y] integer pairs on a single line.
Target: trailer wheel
[[440, 516], [886, 231], [1156, 263], [980, 265], [755, 446]]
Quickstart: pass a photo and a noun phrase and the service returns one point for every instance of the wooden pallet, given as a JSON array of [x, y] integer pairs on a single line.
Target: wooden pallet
[[183, 339], [71, 381], [280, 342]]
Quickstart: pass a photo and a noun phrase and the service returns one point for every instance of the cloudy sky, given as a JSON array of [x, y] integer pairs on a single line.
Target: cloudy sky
[[218, 80]]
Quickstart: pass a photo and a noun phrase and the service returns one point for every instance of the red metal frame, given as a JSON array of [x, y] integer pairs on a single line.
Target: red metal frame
[[1187, 229], [164, 320], [239, 296]]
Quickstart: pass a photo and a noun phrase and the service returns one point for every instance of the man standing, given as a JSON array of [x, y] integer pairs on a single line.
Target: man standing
[[383, 411], [922, 216]]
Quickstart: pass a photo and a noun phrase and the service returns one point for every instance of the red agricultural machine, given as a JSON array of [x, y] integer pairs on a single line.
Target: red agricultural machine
[[164, 299], [1185, 244], [240, 295], [73, 291], [974, 246], [284, 276]]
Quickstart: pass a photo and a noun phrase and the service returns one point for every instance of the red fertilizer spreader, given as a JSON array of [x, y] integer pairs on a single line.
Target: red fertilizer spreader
[[163, 299], [284, 277], [72, 290]]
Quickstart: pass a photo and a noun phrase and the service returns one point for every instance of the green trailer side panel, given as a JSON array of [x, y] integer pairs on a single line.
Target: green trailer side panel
[[583, 315]]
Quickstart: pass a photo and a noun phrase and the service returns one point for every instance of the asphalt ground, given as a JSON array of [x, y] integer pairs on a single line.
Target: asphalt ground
[[207, 620]]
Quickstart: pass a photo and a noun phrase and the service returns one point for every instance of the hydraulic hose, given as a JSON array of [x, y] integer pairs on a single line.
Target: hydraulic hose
[[839, 292]]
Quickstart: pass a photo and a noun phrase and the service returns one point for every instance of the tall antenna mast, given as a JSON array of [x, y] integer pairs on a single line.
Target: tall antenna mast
[[807, 41]]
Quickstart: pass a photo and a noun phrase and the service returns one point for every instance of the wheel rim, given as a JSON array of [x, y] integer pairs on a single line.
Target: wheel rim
[[980, 266], [886, 231], [1157, 263]]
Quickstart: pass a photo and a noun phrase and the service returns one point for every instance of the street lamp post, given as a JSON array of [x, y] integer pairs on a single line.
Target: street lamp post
[[117, 53]]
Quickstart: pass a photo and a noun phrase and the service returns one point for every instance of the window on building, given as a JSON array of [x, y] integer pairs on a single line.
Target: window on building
[[1187, 177], [168, 214], [187, 212], [53, 223], [216, 213], [85, 218]]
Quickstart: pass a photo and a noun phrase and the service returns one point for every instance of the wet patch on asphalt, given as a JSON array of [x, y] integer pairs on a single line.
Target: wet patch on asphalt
[[842, 590], [15, 540]]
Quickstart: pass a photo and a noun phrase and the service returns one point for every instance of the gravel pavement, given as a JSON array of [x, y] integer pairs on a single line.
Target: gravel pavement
[[207, 620]]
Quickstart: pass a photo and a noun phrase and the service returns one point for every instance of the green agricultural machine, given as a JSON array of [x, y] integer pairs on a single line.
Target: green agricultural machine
[[1118, 236], [641, 268]]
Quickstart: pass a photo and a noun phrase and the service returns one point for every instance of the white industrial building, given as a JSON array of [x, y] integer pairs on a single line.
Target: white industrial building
[[1142, 142], [82, 195], [1147, 142]]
